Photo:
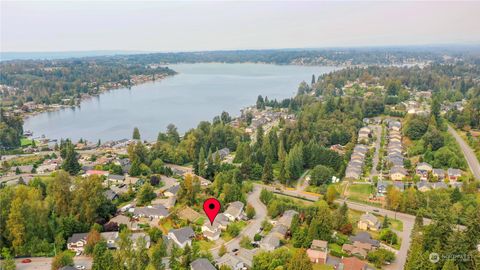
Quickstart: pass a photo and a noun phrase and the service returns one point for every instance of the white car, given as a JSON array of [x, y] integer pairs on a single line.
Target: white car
[[81, 267]]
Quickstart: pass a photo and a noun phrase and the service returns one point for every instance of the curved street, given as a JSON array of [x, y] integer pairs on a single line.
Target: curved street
[[253, 226], [467, 153]]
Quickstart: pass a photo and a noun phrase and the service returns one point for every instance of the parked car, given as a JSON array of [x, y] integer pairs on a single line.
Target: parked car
[[26, 261]]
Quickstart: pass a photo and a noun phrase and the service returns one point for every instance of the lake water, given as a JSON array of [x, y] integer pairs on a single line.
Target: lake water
[[199, 92]]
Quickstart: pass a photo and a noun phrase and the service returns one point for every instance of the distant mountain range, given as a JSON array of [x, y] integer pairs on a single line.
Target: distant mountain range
[[5, 56]]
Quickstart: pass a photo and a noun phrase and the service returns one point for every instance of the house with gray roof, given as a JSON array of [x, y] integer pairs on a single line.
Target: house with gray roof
[[110, 194], [172, 191], [116, 178], [201, 264], [270, 242], [182, 237], [365, 237], [439, 173], [239, 260], [154, 212], [369, 222], [234, 211], [453, 174], [77, 242], [287, 217]]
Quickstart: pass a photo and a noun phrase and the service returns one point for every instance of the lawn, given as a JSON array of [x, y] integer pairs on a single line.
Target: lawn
[[361, 193], [394, 223], [25, 142], [205, 245], [317, 266]]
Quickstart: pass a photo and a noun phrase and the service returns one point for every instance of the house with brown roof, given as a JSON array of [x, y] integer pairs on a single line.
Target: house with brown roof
[[353, 263]]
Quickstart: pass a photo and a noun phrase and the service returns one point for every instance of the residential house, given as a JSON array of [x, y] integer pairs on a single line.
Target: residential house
[[365, 237], [242, 259], [22, 169], [127, 221], [172, 191], [397, 173], [116, 178], [318, 251], [369, 222], [355, 251], [96, 172], [279, 230], [381, 188], [201, 264], [423, 169], [138, 235], [110, 194], [439, 174], [353, 263], [77, 242], [44, 168], [152, 212], [453, 174], [423, 186], [394, 125], [364, 134], [182, 237], [211, 230], [287, 217], [358, 249], [166, 202], [270, 242], [234, 211], [111, 239]]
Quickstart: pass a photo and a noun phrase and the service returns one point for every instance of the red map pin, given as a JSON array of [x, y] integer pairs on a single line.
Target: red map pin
[[211, 207]]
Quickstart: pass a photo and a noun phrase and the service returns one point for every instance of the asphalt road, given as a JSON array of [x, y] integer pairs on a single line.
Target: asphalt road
[[253, 226], [468, 153], [45, 263], [378, 135]]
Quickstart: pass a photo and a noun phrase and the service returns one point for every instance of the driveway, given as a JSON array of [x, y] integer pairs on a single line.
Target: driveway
[[253, 226], [468, 153]]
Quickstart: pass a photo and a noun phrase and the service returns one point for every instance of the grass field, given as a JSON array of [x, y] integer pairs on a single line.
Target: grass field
[[317, 266], [205, 245], [360, 193]]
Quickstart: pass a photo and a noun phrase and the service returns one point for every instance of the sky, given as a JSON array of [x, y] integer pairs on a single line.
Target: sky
[[41, 26]]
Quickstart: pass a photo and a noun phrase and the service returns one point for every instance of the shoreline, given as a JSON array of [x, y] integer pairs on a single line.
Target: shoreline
[[84, 97]]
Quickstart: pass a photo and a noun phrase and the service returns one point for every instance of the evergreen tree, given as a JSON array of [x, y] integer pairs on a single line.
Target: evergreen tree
[[70, 162], [136, 134], [267, 175]]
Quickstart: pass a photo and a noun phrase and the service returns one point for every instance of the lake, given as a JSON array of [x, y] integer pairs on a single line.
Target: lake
[[199, 92]]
